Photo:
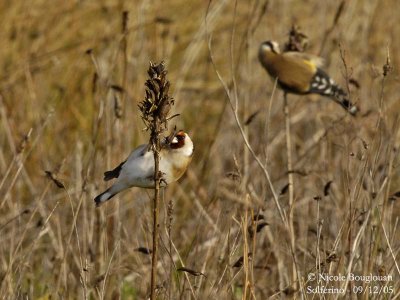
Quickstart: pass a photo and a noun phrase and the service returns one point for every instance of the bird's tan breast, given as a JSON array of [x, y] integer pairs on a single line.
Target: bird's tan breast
[[179, 167]]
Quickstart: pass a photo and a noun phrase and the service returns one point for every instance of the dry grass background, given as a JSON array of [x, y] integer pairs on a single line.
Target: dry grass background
[[60, 113]]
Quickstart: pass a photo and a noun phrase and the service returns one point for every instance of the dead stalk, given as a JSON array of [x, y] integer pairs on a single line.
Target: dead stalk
[[154, 112], [291, 184]]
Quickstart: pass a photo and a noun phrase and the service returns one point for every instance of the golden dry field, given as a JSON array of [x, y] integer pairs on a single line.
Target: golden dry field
[[72, 74]]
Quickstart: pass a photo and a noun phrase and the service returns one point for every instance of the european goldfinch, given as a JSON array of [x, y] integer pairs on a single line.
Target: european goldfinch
[[138, 169], [301, 73]]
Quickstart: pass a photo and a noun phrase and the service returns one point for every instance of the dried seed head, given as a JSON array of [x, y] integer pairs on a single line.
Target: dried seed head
[[157, 103], [298, 41]]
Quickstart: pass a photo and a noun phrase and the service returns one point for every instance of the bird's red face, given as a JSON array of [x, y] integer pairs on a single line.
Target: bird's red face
[[179, 140]]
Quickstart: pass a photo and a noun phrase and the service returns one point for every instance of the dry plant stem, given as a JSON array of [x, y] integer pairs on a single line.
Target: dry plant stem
[[382, 113], [378, 126], [13, 256], [246, 141], [252, 24], [63, 267], [314, 142], [317, 251], [339, 12], [114, 127], [124, 32], [193, 49], [15, 148], [267, 122], [390, 248], [290, 182], [155, 110], [17, 159], [171, 261], [353, 251], [213, 139], [74, 227], [20, 158], [178, 256], [103, 287], [246, 282], [23, 263], [156, 201], [234, 108]]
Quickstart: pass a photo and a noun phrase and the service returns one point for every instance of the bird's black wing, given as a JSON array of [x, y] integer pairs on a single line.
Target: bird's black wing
[[113, 173]]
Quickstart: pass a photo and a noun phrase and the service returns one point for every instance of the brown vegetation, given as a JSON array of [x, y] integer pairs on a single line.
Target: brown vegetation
[[72, 74]]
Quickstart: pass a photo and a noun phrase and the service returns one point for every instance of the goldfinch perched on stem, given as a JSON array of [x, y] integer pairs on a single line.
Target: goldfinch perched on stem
[[138, 170], [301, 73]]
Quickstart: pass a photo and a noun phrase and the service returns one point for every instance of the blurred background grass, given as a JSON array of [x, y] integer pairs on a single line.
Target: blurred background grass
[[71, 77]]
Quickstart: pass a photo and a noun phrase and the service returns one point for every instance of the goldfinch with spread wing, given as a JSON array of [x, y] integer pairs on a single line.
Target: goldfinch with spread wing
[[301, 73], [138, 169]]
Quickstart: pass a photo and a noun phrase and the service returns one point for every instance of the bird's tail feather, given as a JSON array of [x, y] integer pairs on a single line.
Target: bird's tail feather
[[322, 84], [104, 197], [339, 96]]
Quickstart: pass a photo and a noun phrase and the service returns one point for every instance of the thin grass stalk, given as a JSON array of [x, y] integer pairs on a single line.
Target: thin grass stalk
[[387, 68], [171, 261], [291, 185], [246, 282], [246, 141], [13, 256]]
